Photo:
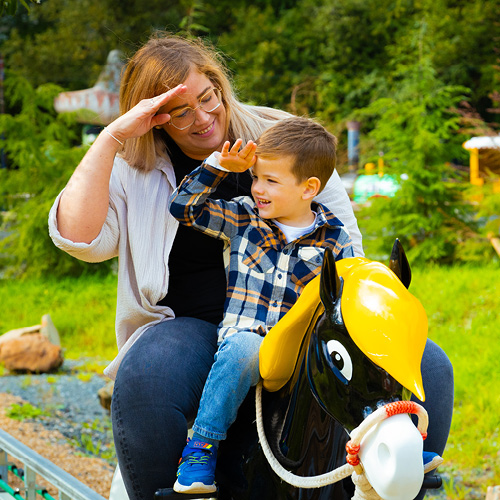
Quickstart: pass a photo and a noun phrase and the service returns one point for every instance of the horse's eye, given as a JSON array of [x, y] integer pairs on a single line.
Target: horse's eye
[[340, 358]]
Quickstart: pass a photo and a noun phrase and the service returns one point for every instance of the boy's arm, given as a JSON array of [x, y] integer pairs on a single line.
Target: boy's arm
[[190, 203]]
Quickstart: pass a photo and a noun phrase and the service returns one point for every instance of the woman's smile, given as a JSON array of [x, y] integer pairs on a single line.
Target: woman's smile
[[207, 133]]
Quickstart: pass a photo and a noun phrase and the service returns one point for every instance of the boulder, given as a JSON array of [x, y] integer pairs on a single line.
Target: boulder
[[33, 353], [47, 328], [105, 394], [19, 332]]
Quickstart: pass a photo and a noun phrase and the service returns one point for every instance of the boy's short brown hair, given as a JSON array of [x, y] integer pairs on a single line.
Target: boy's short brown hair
[[309, 143]]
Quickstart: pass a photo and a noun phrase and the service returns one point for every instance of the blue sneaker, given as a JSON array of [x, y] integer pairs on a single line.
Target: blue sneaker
[[431, 461], [196, 471]]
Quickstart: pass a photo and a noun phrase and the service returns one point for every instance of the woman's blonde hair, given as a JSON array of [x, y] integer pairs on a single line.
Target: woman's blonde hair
[[163, 63]]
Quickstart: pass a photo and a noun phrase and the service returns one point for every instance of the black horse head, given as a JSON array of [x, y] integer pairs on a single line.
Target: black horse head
[[349, 372]]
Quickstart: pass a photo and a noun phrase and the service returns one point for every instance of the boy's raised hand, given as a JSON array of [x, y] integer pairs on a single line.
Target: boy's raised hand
[[237, 160]]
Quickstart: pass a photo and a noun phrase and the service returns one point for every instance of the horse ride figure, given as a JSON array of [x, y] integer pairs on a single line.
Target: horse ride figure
[[343, 359]]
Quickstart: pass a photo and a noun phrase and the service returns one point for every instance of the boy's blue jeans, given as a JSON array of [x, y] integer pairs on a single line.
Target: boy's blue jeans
[[235, 370]]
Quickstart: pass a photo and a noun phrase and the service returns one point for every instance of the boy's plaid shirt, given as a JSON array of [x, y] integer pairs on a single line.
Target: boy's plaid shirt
[[265, 273]]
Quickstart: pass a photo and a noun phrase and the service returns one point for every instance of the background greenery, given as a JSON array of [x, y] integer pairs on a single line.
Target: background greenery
[[414, 72]]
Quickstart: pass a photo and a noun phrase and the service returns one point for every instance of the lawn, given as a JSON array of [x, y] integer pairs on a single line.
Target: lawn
[[462, 305]]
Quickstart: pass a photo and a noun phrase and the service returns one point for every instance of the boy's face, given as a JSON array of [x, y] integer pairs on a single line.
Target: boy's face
[[277, 192]]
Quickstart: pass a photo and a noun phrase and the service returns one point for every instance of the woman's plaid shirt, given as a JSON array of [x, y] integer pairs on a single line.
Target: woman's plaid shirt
[[265, 274]]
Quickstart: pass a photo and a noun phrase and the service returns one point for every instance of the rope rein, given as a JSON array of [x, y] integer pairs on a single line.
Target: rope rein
[[364, 490]]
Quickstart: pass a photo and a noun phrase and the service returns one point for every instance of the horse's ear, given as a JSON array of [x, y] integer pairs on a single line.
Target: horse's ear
[[399, 263], [329, 287]]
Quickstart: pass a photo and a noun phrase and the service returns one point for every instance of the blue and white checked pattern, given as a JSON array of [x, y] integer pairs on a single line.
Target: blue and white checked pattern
[[265, 273]]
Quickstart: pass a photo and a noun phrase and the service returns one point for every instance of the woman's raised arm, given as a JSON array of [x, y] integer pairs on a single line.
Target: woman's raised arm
[[84, 203]]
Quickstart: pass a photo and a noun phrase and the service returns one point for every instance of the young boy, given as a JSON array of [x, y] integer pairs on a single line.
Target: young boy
[[273, 248]]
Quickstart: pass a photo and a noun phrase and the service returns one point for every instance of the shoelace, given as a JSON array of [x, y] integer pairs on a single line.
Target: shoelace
[[196, 458]]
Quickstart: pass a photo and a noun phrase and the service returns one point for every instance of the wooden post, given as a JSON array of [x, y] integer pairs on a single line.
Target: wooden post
[[493, 493]]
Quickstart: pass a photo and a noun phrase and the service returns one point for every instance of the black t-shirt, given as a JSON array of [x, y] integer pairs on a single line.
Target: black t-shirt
[[197, 284]]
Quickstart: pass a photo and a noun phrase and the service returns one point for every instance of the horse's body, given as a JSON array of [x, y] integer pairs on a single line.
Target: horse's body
[[331, 385], [295, 422]]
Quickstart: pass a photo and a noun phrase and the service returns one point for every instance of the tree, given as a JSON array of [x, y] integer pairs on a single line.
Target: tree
[[66, 42], [9, 7], [416, 128], [42, 150]]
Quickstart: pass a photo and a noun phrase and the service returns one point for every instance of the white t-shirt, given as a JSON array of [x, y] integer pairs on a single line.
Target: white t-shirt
[[292, 233]]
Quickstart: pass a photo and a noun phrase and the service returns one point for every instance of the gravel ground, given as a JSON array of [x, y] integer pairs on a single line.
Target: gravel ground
[[70, 403]]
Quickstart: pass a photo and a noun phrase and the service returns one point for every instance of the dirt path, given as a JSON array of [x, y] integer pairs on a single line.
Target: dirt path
[[93, 472]]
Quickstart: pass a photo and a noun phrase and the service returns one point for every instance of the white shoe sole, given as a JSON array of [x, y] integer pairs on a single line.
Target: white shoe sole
[[196, 487]]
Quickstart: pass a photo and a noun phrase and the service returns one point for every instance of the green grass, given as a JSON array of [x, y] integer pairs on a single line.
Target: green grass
[[24, 411], [83, 311], [462, 305]]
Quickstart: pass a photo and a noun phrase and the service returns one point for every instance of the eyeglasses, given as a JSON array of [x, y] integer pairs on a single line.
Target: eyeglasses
[[183, 118]]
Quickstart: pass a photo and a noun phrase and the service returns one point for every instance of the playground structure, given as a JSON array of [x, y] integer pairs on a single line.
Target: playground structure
[[484, 163], [374, 184]]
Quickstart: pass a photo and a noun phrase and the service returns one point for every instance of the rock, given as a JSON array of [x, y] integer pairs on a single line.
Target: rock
[[33, 353], [493, 493], [105, 394], [49, 330], [19, 332]]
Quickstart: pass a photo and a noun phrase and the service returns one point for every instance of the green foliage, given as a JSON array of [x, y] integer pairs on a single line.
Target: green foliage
[[66, 42], [417, 131], [85, 377], [190, 24], [91, 447], [9, 7], [486, 204], [25, 411], [41, 154]]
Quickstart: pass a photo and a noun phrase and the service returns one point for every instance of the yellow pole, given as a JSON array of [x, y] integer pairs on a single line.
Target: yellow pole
[[380, 165], [474, 168]]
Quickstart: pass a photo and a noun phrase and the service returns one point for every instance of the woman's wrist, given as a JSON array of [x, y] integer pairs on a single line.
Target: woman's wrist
[[111, 139], [113, 136]]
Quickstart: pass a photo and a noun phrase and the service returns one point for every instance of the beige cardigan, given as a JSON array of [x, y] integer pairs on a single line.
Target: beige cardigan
[[140, 231]]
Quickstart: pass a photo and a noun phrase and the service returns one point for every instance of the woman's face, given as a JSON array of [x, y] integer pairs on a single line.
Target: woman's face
[[207, 133]]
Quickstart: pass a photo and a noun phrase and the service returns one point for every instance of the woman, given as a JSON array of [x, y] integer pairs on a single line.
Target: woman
[[177, 107]]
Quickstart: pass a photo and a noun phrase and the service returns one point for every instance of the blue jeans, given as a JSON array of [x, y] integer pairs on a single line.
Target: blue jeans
[[235, 370], [159, 385]]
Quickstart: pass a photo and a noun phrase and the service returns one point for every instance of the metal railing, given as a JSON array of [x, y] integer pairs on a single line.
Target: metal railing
[[69, 487]]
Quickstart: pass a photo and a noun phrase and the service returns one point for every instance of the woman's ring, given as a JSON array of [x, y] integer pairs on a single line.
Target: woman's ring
[[153, 101]]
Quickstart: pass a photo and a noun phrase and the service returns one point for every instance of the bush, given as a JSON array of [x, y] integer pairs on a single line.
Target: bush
[[41, 149], [417, 130]]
